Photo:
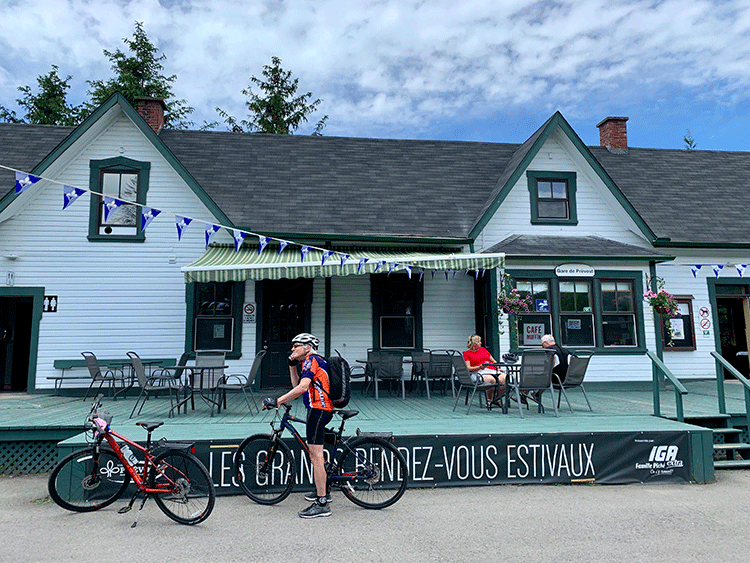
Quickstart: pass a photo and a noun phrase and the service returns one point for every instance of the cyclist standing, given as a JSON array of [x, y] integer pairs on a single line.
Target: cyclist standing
[[313, 383]]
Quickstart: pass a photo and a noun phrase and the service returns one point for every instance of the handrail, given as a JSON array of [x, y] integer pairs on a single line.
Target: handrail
[[720, 384], [679, 388]]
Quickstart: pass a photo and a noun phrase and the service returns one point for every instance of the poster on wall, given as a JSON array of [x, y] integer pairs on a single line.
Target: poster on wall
[[532, 334]]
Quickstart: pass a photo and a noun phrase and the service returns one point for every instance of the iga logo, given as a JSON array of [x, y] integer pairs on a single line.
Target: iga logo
[[663, 453]]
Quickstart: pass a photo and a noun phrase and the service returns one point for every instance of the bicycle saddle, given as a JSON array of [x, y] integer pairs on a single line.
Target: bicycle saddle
[[150, 426], [346, 414]]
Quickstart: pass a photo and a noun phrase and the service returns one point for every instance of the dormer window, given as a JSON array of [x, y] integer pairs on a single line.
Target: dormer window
[[552, 197]]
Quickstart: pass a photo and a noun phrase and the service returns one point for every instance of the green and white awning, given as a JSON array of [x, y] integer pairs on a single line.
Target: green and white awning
[[224, 263]]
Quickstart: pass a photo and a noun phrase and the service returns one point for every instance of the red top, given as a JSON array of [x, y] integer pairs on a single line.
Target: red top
[[478, 357]]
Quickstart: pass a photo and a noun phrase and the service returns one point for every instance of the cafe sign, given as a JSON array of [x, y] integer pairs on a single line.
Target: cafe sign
[[574, 271]]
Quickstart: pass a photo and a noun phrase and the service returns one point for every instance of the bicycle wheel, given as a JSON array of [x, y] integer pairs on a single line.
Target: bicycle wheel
[[263, 468], [80, 484], [188, 492], [376, 470]]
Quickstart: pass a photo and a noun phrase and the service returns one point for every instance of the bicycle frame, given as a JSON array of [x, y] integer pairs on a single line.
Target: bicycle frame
[[338, 445], [104, 433]]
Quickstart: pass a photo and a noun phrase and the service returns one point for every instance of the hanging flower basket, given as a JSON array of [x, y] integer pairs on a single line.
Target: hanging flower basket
[[662, 302], [514, 303]]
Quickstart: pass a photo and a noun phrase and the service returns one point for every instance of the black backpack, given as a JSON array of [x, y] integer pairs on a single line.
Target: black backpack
[[339, 376]]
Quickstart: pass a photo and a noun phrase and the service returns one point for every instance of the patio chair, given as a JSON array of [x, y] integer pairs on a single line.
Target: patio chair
[[153, 385], [238, 382], [178, 372], [471, 384], [577, 366], [440, 368], [419, 364], [535, 374], [109, 375], [388, 367]]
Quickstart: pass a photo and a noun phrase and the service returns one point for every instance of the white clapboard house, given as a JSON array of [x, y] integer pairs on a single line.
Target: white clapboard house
[[120, 235]]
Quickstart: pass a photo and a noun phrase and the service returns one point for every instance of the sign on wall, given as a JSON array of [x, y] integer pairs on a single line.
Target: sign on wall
[[574, 270]]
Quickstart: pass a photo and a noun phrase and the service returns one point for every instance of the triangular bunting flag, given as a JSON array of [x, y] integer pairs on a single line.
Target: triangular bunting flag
[[149, 214], [239, 236], [344, 258], [70, 194], [380, 265], [211, 230], [110, 204], [391, 266], [362, 262], [421, 274], [24, 181], [304, 251], [717, 269], [182, 223], [282, 245], [326, 255], [741, 269], [408, 271], [262, 243], [695, 269]]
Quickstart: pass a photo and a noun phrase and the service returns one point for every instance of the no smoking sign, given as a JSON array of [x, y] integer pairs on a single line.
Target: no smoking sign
[[248, 313]]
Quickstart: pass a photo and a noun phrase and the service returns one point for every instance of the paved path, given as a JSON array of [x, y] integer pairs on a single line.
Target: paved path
[[582, 523]]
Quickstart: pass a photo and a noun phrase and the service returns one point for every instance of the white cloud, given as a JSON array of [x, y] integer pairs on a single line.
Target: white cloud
[[398, 66]]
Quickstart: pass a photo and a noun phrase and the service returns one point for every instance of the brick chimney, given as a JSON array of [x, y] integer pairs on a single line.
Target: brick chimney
[[152, 110], [613, 133]]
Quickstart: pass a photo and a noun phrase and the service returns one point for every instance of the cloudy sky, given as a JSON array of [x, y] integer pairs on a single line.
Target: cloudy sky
[[476, 70]]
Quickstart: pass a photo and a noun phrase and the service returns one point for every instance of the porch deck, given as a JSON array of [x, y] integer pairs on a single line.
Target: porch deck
[[618, 409]]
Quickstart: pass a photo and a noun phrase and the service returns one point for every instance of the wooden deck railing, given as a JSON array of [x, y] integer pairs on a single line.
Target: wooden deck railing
[[659, 368], [721, 362]]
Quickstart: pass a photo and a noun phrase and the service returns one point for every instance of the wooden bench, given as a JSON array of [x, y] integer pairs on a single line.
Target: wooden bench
[[104, 363]]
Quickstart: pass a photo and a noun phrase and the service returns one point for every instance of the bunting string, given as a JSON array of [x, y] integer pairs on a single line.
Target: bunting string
[[25, 181]]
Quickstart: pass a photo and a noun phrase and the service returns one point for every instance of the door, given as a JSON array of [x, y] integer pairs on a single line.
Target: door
[[15, 342], [733, 315], [286, 313]]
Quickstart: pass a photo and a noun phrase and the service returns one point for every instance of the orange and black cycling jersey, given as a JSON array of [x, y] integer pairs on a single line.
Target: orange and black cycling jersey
[[315, 368]]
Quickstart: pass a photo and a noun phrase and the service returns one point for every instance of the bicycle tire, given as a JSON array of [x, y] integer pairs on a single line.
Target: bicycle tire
[[380, 473], [195, 496], [75, 484], [259, 484]]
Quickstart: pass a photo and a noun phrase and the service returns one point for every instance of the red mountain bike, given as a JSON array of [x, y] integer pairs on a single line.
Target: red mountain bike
[[98, 475]]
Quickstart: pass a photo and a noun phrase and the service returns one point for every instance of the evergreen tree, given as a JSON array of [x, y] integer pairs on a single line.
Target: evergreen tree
[[49, 106], [277, 109], [140, 75]]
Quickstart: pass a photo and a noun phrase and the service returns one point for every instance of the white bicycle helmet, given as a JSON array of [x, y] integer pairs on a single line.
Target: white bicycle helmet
[[307, 339]]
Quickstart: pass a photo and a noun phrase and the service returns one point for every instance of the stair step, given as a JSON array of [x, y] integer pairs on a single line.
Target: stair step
[[726, 430], [732, 464], [737, 446]]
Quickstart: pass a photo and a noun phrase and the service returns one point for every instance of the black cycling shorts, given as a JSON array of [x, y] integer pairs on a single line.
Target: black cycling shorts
[[316, 425]]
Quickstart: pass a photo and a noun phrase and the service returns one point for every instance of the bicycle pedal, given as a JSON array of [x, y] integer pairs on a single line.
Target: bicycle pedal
[[124, 509]]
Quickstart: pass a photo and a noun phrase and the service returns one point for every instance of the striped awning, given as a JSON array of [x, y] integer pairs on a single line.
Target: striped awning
[[224, 263]]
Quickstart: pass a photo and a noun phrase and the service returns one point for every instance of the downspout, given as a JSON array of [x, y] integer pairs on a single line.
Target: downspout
[[656, 374]]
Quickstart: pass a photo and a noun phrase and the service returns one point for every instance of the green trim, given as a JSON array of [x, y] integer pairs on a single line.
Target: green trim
[[657, 318], [666, 243], [712, 283], [117, 164], [327, 321], [532, 177], [376, 283], [557, 120], [554, 295], [569, 257], [37, 295]]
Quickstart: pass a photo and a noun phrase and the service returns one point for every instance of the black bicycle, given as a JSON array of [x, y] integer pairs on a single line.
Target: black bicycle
[[366, 467]]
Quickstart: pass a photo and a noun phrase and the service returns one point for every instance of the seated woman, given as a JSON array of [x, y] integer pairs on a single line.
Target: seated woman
[[477, 360]]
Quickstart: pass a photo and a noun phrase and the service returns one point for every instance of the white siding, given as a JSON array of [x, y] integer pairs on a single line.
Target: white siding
[[448, 311], [113, 297], [351, 317]]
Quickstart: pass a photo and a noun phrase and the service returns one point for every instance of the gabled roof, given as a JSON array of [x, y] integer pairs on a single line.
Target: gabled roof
[[526, 153], [425, 192]]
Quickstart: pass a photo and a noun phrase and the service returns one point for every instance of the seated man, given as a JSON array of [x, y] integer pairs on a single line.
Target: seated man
[[561, 356]]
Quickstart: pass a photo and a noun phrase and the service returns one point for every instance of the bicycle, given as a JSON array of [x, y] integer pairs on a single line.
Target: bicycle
[[96, 476], [366, 467]]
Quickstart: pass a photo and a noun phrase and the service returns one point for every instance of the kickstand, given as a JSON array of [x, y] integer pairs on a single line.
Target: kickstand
[[135, 523], [127, 508]]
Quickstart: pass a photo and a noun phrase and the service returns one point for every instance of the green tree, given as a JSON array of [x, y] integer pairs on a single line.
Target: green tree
[[689, 141], [137, 75], [277, 109], [49, 106]]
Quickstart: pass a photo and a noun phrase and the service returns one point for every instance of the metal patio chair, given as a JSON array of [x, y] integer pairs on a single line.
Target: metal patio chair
[[534, 374], [238, 382], [472, 384], [577, 366], [153, 385], [110, 375]]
